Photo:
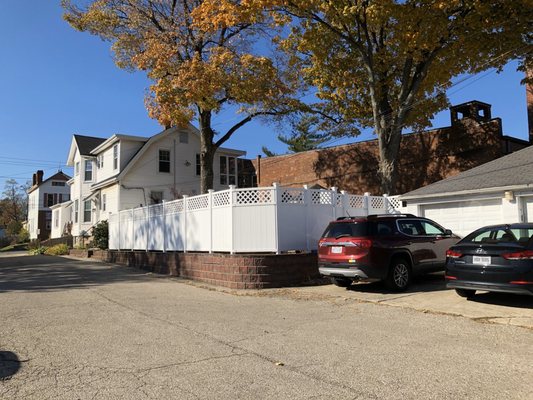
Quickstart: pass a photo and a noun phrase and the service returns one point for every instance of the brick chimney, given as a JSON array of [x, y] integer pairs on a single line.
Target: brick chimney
[[529, 97], [39, 177], [475, 110], [34, 180]]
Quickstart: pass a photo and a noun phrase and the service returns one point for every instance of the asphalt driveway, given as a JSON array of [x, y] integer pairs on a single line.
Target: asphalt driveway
[[73, 329]]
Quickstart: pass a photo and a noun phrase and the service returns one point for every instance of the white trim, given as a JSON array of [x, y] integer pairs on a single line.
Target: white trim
[[463, 192]]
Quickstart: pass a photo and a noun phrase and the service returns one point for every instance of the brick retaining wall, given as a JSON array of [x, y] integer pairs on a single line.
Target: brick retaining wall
[[236, 271]]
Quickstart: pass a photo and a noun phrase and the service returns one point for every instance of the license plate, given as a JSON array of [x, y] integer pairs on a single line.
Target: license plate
[[336, 249], [481, 260]]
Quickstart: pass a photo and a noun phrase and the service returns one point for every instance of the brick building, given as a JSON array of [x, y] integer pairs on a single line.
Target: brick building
[[473, 138]]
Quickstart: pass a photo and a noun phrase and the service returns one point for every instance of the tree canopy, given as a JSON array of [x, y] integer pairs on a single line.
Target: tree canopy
[[386, 64], [200, 64]]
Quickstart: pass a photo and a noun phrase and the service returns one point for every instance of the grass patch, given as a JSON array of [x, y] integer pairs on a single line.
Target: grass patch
[[15, 247]]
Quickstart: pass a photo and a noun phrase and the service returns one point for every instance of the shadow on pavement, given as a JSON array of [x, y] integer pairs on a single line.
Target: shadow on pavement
[[9, 364], [48, 273], [423, 283], [503, 299]]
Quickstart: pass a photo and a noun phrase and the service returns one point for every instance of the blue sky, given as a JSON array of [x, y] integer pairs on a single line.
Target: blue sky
[[55, 82]]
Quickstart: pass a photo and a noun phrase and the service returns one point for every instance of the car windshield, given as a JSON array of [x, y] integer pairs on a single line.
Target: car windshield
[[501, 234], [341, 229]]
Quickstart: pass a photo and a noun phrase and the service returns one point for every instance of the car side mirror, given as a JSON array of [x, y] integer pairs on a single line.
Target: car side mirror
[[447, 232]]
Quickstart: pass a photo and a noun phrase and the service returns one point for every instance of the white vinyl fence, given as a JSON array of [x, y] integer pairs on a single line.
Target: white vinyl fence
[[267, 219]]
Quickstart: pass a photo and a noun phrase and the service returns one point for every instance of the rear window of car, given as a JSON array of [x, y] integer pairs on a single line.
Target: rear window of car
[[500, 235], [348, 229]]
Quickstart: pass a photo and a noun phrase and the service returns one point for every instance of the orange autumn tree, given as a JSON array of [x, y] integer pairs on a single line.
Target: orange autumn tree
[[199, 68], [386, 64]]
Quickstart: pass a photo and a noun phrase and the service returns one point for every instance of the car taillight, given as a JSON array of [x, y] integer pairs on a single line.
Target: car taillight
[[519, 255], [362, 243], [453, 254]]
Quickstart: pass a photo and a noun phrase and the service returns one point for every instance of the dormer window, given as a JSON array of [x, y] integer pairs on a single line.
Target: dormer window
[[77, 168], [100, 161], [88, 171], [115, 156]]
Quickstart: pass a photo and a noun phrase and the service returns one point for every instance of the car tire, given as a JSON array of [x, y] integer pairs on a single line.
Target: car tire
[[399, 276], [467, 293], [341, 282]]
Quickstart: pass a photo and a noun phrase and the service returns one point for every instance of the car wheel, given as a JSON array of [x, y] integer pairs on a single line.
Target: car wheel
[[468, 293], [399, 276], [341, 282]]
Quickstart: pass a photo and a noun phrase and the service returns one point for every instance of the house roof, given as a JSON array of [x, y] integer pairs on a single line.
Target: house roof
[[87, 143], [114, 139], [514, 170], [58, 176]]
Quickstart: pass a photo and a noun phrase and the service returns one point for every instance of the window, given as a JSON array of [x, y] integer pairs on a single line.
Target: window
[[87, 211], [184, 137], [164, 160], [156, 197], [198, 165], [103, 204], [76, 205], [115, 156], [77, 168], [228, 170], [56, 183], [100, 161], [88, 171], [411, 227], [48, 199], [432, 229], [48, 221]]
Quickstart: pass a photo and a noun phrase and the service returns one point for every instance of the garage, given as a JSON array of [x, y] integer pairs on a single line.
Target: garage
[[465, 216]]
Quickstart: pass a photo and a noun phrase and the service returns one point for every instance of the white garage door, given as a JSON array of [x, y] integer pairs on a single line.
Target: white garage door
[[528, 208], [465, 216]]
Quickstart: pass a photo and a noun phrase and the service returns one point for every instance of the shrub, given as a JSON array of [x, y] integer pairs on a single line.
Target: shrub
[[57, 250], [23, 236], [101, 235], [37, 250]]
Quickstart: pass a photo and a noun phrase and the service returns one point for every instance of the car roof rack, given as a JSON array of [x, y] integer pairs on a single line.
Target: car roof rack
[[391, 215]]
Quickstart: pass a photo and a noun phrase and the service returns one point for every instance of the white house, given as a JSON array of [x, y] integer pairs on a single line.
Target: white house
[[500, 191], [124, 172], [42, 195]]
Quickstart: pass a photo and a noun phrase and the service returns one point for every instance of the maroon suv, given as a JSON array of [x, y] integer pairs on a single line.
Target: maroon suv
[[388, 247]]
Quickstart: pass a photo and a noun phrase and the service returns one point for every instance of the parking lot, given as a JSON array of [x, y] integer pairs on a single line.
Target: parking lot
[[75, 329]]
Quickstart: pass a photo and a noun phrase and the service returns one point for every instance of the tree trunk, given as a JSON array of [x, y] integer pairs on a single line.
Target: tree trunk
[[389, 138], [207, 151]]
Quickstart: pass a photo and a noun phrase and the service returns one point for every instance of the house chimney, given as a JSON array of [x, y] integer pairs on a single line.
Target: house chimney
[[529, 97], [40, 177], [34, 180]]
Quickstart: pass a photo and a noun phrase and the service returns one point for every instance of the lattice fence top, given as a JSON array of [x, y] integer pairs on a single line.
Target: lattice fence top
[[174, 207], [254, 196], [394, 203], [322, 197], [356, 201], [198, 202], [221, 199], [377, 202], [292, 196]]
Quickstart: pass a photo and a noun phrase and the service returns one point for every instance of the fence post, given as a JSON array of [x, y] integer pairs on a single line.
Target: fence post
[[185, 197], [118, 229], [276, 222], [164, 225], [344, 204], [334, 201], [210, 192], [132, 229], [366, 203], [232, 226], [306, 208]]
